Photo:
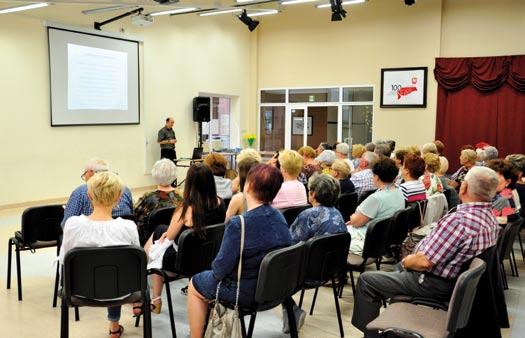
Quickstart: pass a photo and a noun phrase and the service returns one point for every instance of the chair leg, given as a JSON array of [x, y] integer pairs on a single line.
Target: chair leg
[[243, 326], [291, 318], [18, 272], [338, 310], [521, 246], [511, 267], [170, 308], [64, 320], [301, 299], [352, 281], [9, 255], [252, 324], [77, 314], [513, 260], [147, 319], [313, 301], [137, 321], [504, 277], [55, 293]]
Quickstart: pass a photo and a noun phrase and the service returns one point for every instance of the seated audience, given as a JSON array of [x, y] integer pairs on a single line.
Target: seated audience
[[429, 148], [292, 192], [265, 230], [504, 204], [357, 151], [383, 203], [518, 160], [164, 172], [440, 147], [325, 160], [99, 228], [238, 204], [362, 178], [321, 219], [412, 188], [467, 159], [79, 203], [200, 207], [218, 165], [453, 199], [431, 181], [383, 149], [341, 171], [310, 165], [342, 151], [488, 153], [370, 146], [432, 269], [322, 147], [414, 149], [399, 158], [245, 153], [392, 145]]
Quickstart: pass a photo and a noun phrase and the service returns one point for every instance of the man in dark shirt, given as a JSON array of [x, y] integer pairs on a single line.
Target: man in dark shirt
[[166, 138]]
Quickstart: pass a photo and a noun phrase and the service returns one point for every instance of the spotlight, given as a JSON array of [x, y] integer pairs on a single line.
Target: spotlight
[[338, 12], [252, 24], [410, 2]]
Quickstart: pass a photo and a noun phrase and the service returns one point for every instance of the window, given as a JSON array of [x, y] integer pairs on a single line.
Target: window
[[314, 95]]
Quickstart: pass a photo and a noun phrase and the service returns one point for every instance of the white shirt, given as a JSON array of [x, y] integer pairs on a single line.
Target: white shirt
[[80, 231]]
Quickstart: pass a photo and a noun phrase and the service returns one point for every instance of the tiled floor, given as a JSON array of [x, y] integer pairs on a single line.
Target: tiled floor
[[34, 316]]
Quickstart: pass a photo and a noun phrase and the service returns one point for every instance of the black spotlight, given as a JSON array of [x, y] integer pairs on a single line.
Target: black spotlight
[[410, 2], [251, 23], [338, 12]]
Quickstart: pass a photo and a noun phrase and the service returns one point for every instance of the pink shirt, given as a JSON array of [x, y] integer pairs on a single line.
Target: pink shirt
[[291, 194]]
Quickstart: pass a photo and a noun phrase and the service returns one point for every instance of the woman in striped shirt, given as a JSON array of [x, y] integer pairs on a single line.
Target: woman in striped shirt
[[413, 190]]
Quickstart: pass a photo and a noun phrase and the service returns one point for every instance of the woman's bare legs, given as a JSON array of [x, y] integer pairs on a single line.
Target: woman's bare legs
[[197, 310]]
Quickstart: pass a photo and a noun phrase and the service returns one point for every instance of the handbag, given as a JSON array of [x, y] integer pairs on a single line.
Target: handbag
[[225, 322]]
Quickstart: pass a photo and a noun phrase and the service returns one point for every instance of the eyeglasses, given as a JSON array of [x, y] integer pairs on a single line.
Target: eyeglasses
[[83, 176]]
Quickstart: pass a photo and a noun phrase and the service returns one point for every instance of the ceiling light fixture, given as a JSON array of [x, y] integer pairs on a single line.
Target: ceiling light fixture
[[225, 11], [263, 12], [174, 11], [338, 12], [344, 3], [410, 2], [23, 7], [295, 2], [243, 1], [252, 24], [106, 9]]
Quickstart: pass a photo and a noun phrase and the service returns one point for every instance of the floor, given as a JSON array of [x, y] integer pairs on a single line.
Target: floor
[[34, 316]]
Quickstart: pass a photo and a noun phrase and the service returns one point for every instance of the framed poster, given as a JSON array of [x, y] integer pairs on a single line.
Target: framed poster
[[268, 121], [404, 87], [298, 125]]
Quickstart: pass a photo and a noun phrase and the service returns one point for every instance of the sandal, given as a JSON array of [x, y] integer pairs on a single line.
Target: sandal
[[184, 291], [154, 308], [119, 332]]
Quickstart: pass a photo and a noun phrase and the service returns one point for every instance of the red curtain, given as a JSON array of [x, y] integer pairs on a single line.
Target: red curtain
[[481, 99]]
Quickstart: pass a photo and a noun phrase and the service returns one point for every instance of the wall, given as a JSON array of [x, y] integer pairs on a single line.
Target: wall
[[181, 56]]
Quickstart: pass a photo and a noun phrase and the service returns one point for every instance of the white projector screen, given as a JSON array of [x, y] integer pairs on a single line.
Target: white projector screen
[[94, 79]]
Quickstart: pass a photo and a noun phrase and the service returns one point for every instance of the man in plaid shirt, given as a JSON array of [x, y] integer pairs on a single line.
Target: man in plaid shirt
[[362, 177], [432, 270]]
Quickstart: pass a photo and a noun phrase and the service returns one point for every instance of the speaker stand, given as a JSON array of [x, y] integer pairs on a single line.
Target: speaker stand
[[200, 134]]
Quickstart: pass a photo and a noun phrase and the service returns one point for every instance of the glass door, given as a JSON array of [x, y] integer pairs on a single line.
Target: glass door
[[322, 125], [298, 127]]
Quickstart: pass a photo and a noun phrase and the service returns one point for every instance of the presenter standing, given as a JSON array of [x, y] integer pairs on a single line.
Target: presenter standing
[[166, 138]]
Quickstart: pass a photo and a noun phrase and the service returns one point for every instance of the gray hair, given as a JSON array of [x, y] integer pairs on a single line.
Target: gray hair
[[489, 153], [370, 158], [429, 148], [518, 160], [164, 172], [97, 165], [325, 187], [343, 148], [482, 183], [327, 157], [383, 149], [370, 146]]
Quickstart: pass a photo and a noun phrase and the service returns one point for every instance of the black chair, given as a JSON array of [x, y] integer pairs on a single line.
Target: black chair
[[290, 214], [103, 277], [156, 218], [325, 259], [417, 215], [40, 229], [364, 195], [194, 255], [430, 320], [272, 289], [505, 247], [374, 248], [346, 204], [398, 231]]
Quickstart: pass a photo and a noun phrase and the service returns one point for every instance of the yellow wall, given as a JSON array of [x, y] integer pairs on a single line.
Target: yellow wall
[[181, 56]]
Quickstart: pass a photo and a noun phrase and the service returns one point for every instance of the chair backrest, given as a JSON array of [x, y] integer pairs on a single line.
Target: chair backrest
[[104, 272], [463, 296], [42, 223], [436, 207], [346, 204], [290, 214], [325, 256], [399, 226], [507, 238], [364, 195], [376, 239], [195, 254], [417, 215], [158, 217], [281, 274]]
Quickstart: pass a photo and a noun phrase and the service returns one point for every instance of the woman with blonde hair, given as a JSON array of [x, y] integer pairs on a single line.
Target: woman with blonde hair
[[101, 229], [310, 165], [431, 181], [357, 151], [292, 192], [341, 171], [467, 159]]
